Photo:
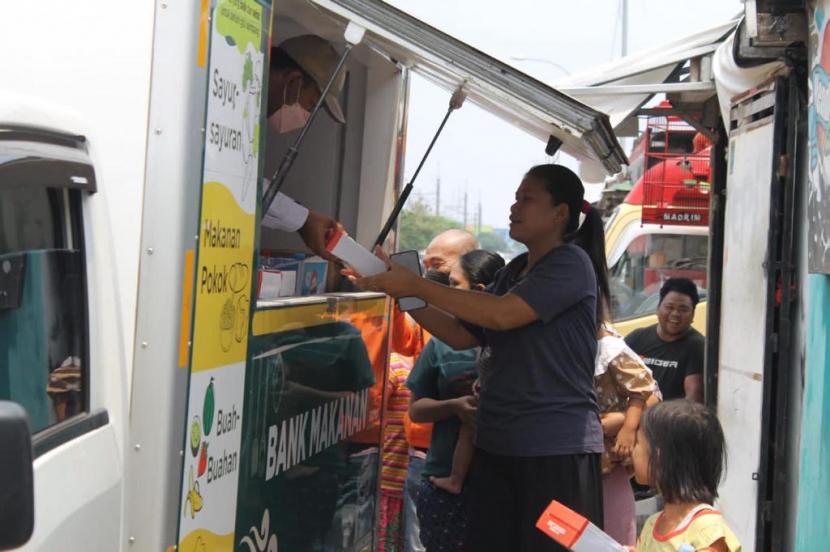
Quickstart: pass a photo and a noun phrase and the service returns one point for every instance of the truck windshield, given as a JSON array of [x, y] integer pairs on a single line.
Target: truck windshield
[[648, 261]]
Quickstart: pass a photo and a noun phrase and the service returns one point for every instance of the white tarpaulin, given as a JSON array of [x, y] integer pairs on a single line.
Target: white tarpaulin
[[649, 67], [731, 80]]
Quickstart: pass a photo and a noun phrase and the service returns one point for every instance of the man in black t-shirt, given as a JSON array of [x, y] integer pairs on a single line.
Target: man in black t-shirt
[[672, 348]]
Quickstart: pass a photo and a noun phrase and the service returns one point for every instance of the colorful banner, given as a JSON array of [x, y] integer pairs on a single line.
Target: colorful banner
[[224, 271], [308, 478], [818, 203]]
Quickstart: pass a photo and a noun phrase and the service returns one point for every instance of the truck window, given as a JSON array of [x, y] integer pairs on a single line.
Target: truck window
[[42, 300], [648, 261]]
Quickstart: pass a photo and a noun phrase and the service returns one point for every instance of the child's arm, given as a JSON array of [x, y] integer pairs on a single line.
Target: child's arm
[[426, 409], [634, 381], [628, 433], [461, 460], [612, 423]]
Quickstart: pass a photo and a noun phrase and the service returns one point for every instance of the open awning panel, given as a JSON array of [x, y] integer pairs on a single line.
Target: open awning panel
[[515, 97]]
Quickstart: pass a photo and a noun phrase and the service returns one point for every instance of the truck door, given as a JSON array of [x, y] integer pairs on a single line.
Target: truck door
[[753, 354], [45, 339]]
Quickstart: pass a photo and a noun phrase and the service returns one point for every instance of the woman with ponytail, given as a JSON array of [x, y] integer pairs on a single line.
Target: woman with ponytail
[[538, 436]]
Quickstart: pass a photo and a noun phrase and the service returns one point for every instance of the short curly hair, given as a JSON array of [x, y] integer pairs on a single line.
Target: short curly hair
[[680, 285]]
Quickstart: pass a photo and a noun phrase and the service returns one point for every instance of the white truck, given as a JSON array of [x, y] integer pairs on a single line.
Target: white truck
[[167, 407]]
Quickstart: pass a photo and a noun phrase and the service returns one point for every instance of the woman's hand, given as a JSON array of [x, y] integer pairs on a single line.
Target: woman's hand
[[396, 282], [625, 442], [465, 408]]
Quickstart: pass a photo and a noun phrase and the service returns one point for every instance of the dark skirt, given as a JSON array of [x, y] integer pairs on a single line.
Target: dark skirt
[[506, 495], [442, 517]]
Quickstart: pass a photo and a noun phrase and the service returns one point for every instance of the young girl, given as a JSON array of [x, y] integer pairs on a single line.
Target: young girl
[[623, 384], [441, 383], [475, 270], [680, 450]]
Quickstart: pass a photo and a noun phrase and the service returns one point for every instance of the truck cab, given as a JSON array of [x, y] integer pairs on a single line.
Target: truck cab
[[660, 230]]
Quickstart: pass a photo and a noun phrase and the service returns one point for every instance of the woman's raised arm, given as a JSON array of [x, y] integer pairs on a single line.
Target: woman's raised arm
[[504, 312], [445, 327]]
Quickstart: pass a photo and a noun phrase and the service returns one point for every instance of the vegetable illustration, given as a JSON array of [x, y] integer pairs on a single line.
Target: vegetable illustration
[[208, 408]]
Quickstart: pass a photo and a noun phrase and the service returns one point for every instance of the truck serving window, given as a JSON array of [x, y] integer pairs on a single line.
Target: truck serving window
[[43, 326], [648, 261]]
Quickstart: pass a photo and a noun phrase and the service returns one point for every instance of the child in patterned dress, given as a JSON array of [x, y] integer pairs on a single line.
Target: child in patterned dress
[[623, 385]]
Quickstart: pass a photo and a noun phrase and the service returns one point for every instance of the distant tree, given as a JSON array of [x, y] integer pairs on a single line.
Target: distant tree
[[493, 242], [417, 225]]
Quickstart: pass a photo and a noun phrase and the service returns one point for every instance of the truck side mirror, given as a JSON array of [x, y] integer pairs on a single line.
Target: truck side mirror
[[17, 494]]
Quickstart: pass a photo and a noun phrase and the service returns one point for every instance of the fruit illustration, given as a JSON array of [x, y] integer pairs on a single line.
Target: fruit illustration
[[241, 329], [195, 436], [194, 497], [238, 277], [203, 458], [207, 408], [227, 321]]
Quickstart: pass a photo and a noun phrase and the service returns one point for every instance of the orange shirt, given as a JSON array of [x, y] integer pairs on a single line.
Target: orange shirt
[[373, 331], [409, 339]]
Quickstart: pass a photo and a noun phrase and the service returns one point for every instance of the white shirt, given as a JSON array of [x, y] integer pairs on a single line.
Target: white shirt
[[285, 214]]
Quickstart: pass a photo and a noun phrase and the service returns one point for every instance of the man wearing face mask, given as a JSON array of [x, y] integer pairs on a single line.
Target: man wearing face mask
[[300, 69]]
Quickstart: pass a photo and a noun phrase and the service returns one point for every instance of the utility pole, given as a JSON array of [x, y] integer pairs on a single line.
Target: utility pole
[[437, 196], [465, 209], [624, 46], [478, 219]]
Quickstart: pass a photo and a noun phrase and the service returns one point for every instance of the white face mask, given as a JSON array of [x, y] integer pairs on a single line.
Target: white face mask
[[289, 117]]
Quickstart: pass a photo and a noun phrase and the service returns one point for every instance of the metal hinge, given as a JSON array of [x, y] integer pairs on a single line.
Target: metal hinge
[[767, 513], [783, 165]]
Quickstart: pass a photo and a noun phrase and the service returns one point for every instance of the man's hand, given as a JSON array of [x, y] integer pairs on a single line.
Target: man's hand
[[466, 408], [315, 230]]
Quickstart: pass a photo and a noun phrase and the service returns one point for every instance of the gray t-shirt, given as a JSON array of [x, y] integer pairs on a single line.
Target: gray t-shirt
[[537, 392]]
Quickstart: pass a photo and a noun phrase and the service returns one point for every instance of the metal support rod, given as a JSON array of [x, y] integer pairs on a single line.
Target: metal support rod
[[278, 179], [694, 123], [455, 102]]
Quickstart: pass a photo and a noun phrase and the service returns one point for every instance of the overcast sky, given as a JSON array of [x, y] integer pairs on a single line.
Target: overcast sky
[[477, 151]]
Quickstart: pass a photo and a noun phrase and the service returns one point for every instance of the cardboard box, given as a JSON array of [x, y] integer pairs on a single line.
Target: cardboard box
[[269, 283], [363, 261], [574, 531], [313, 274]]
